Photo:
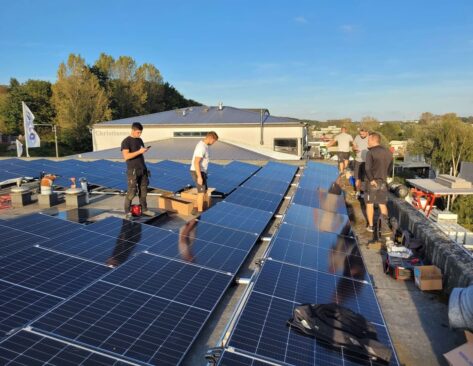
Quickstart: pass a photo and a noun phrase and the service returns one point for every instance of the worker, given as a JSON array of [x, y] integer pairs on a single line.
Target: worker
[[343, 139], [199, 165], [360, 146], [133, 150], [377, 167]]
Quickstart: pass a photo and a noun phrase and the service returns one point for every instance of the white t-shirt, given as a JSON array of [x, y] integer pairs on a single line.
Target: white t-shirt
[[362, 144], [343, 139], [201, 151]]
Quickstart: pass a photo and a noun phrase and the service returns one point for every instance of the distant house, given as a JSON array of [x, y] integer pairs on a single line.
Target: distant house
[[252, 129]]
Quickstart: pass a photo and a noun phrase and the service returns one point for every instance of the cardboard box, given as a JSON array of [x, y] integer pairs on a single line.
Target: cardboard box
[[469, 336], [460, 356], [428, 278], [191, 195], [173, 204]]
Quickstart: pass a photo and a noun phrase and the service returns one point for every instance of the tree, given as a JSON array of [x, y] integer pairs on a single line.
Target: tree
[[445, 142], [80, 101], [36, 94], [152, 81], [370, 123], [173, 99], [391, 130]]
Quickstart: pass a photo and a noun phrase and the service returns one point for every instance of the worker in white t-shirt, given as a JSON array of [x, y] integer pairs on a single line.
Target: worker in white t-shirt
[[343, 139], [200, 163]]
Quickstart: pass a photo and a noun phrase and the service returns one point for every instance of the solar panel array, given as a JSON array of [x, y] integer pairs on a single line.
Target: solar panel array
[[311, 259], [166, 175], [120, 292]]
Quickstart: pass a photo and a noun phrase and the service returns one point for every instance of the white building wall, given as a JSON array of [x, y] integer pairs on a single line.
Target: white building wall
[[106, 137]]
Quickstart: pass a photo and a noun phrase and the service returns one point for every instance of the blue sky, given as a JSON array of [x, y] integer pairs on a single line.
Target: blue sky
[[307, 59]]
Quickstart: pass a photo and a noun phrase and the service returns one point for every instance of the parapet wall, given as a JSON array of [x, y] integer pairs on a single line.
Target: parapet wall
[[455, 263]]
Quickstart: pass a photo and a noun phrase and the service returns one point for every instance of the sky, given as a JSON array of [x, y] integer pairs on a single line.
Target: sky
[[314, 59]]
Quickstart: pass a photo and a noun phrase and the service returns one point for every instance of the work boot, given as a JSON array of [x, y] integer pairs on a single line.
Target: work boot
[[129, 216], [148, 213], [370, 229]]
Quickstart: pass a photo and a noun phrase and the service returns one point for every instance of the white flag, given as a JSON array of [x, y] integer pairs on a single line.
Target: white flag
[[19, 148], [31, 137]]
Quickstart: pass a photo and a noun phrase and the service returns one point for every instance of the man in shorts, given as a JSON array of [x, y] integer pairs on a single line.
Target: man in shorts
[[360, 146], [377, 167], [200, 163], [343, 139]]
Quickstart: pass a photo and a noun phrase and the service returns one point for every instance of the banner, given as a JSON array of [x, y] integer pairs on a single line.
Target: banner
[[31, 137]]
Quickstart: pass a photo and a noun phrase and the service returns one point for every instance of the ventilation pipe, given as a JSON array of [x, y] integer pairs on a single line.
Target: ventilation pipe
[[220, 106], [262, 114]]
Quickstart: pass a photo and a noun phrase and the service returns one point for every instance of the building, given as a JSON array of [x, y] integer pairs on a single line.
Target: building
[[255, 130]]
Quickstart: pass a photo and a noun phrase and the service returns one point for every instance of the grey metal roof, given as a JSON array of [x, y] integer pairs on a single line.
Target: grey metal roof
[[181, 149], [206, 116]]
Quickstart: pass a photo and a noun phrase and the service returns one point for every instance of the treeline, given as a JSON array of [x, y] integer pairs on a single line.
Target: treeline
[[86, 94]]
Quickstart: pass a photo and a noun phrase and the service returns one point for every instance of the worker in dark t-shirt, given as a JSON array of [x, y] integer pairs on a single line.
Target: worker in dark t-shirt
[[377, 167], [133, 150]]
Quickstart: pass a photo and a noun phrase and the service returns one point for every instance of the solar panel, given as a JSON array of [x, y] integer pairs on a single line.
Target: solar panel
[[19, 306], [126, 323], [254, 198], [316, 219], [316, 182], [173, 280], [262, 330], [96, 247], [28, 348], [43, 225], [267, 185], [228, 358], [247, 168], [201, 252], [49, 272], [326, 260], [237, 217], [14, 240], [320, 199], [323, 239], [145, 235]]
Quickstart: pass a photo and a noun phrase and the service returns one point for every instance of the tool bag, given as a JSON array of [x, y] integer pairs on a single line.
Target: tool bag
[[339, 326]]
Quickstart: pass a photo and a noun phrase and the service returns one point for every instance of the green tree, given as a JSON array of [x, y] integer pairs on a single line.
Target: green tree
[[36, 94], [445, 142], [152, 81], [173, 99], [370, 123], [80, 101], [391, 130]]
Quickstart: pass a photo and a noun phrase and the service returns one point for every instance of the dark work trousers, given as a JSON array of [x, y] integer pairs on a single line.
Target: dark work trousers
[[137, 184]]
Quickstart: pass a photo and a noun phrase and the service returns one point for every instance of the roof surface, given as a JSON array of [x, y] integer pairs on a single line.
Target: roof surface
[[182, 149], [204, 115]]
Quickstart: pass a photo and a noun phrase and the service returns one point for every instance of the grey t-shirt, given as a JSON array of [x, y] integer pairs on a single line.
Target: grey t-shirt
[[362, 144], [343, 139]]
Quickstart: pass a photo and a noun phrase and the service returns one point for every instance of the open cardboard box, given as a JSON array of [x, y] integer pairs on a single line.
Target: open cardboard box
[[428, 278], [463, 355]]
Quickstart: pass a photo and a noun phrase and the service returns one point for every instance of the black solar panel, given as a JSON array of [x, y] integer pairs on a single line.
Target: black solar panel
[[49, 272], [316, 219], [170, 279], [254, 198], [234, 359], [28, 348], [126, 323], [43, 225], [321, 199], [237, 217], [19, 306], [248, 169]]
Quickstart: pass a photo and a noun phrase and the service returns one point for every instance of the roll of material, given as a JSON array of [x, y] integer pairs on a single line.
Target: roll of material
[[400, 190], [460, 308]]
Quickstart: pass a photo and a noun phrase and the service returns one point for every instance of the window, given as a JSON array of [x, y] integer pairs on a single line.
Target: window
[[190, 134], [288, 146]]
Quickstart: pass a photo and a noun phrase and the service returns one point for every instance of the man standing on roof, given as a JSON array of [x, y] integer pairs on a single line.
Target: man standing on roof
[[344, 140], [199, 165], [360, 146], [377, 167], [133, 150]]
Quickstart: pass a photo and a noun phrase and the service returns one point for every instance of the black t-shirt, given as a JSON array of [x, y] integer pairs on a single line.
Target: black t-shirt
[[379, 163], [133, 144]]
